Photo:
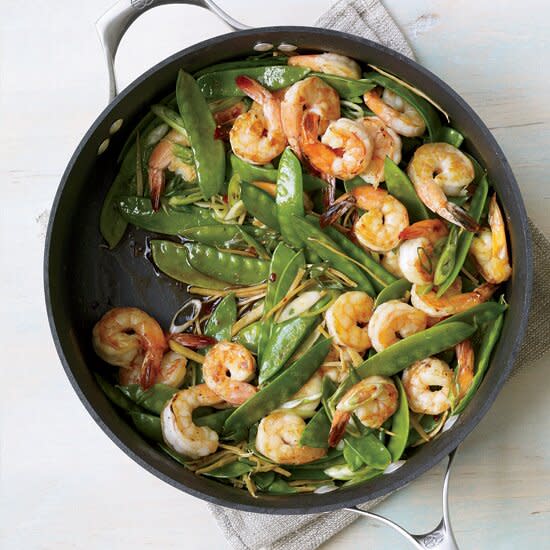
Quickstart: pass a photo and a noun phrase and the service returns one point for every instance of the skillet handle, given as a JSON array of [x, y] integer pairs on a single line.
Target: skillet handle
[[114, 23], [440, 538]]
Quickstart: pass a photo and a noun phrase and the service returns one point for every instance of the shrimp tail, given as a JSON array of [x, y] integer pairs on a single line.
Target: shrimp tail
[[465, 368], [252, 89], [338, 427], [156, 186], [460, 217], [150, 368]]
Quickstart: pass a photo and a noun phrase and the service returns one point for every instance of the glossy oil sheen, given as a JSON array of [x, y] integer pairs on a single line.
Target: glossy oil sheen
[[83, 279]]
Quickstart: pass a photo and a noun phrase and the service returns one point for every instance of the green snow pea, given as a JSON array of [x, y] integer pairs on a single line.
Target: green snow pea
[[260, 205], [447, 259], [424, 108], [214, 420], [285, 339], [231, 470], [400, 424], [199, 123], [477, 315], [362, 475], [400, 186], [232, 268], [465, 238], [283, 269], [222, 319], [394, 291], [148, 425], [115, 395], [280, 487], [333, 456], [152, 399], [290, 196], [367, 449], [172, 454], [379, 276], [170, 117], [347, 88], [222, 83], [319, 242], [413, 348], [168, 220], [173, 259], [248, 336], [451, 136], [278, 391], [263, 480], [491, 335], [252, 172], [227, 235], [316, 431], [309, 475], [243, 64]]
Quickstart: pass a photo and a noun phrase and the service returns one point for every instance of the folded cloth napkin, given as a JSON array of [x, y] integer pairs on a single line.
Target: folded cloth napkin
[[249, 531]]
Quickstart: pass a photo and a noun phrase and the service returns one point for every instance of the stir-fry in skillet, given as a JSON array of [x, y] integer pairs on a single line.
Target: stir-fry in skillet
[[344, 255]]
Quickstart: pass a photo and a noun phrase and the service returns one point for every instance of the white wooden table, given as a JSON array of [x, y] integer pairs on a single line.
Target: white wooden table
[[64, 484]]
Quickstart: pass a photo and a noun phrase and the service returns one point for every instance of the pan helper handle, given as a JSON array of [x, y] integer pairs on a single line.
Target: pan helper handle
[[114, 23]]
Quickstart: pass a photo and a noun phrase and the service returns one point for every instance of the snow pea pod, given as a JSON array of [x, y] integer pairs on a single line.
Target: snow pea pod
[[489, 340], [394, 291], [252, 172], [232, 268], [379, 276], [168, 221], [173, 260], [451, 136], [319, 242], [199, 123], [368, 450], [424, 108], [214, 420], [152, 399], [115, 395], [316, 431], [400, 186], [280, 487], [310, 475], [243, 64], [284, 341], [222, 83], [477, 315], [346, 87], [465, 238], [248, 336], [148, 425], [447, 259], [413, 348], [263, 480], [231, 470], [400, 424], [226, 235], [222, 319], [278, 391], [260, 205], [290, 196]]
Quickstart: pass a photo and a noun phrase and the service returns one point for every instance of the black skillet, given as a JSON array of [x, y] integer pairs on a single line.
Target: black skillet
[[83, 279]]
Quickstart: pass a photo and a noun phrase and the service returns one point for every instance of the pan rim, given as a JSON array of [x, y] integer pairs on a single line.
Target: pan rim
[[342, 498]]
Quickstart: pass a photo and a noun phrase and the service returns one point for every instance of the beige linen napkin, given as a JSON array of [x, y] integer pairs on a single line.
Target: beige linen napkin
[[249, 531]]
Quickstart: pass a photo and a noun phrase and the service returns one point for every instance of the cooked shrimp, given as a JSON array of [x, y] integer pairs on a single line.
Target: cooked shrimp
[[392, 321], [308, 95], [278, 438], [126, 337], [438, 171], [428, 385], [163, 157], [347, 320], [227, 368], [307, 398], [464, 374], [390, 261], [178, 430], [328, 63], [386, 143], [452, 301], [257, 136], [171, 372], [379, 228], [374, 400], [490, 249], [395, 112], [229, 114], [345, 148], [416, 252]]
